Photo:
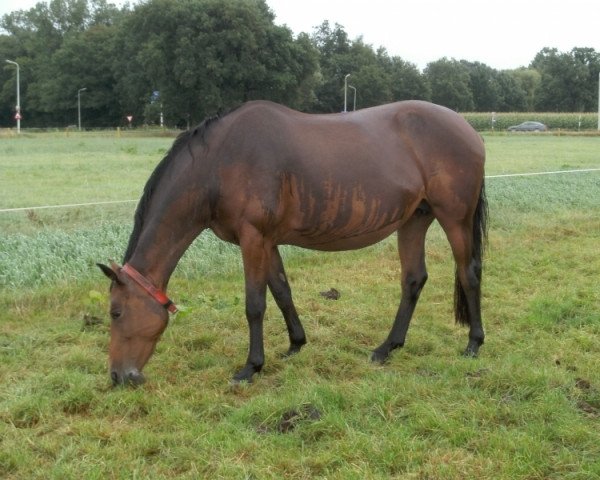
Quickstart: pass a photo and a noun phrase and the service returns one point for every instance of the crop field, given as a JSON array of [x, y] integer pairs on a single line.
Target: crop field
[[527, 408], [582, 123]]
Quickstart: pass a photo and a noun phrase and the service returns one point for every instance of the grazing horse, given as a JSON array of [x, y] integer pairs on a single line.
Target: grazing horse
[[264, 175]]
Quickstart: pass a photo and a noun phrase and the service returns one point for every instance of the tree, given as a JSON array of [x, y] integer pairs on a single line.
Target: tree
[[9, 49], [204, 56], [51, 76], [195, 58], [568, 80], [84, 60], [335, 63], [512, 97], [449, 80], [406, 81], [528, 81], [369, 75], [377, 77], [483, 83]]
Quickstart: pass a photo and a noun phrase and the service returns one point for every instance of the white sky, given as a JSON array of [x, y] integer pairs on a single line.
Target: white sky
[[501, 33]]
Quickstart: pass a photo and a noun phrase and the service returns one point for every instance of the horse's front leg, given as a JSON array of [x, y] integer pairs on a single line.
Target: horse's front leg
[[256, 254]]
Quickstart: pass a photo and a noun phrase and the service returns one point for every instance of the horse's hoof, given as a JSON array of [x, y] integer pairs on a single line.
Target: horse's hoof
[[379, 357], [472, 348], [293, 350], [470, 353], [240, 380], [235, 383], [245, 375]]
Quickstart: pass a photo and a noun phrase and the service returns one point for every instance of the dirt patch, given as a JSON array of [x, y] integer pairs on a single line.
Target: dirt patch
[[292, 419], [90, 321], [331, 294]]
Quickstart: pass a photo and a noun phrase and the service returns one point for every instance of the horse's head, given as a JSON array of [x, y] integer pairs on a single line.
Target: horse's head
[[137, 322]]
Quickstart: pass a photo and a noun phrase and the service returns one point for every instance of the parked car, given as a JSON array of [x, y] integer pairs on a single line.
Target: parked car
[[528, 127]]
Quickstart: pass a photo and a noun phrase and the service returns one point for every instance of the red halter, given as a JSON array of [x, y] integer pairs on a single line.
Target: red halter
[[143, 282]]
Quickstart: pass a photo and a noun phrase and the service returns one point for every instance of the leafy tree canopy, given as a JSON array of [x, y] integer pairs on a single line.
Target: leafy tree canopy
[[187, 60]]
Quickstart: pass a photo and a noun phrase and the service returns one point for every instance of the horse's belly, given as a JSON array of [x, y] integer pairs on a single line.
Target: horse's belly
[[345, 219], [331, 240]]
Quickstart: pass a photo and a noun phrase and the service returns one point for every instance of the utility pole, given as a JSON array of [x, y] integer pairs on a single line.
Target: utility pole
[[18, 108], [346, 93], [79, 106], [354, 105]]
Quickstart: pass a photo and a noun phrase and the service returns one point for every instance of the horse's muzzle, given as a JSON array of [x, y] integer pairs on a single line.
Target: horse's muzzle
[[131, 377]]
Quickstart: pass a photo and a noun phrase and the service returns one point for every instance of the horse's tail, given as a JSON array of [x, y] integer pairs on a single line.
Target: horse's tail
[[461, 311]]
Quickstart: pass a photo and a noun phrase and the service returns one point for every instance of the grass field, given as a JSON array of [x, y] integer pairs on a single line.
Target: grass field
[[528, 408]]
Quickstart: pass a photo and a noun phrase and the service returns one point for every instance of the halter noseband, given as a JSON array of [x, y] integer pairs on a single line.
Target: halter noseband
[[154, 292]]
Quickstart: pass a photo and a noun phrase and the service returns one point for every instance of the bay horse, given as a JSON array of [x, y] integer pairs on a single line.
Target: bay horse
[[264, 175]]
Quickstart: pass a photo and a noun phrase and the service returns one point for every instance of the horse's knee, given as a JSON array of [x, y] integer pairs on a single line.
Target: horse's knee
[[413, 284], [255, 308]]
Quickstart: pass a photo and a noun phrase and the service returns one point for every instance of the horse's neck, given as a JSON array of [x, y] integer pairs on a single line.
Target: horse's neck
[[167, 234], [175, 214]]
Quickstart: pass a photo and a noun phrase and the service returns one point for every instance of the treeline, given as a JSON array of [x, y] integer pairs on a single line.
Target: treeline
[[184, 60]]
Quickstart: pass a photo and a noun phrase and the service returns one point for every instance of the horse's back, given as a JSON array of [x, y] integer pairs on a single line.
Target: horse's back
[[425, 129]]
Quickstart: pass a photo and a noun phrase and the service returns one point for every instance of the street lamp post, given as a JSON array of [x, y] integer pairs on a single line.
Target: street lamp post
[[354, 105], [18, 108], [346, 92], [79, 106]]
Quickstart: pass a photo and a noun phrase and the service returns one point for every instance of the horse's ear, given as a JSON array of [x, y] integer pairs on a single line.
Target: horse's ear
[[111, 273]]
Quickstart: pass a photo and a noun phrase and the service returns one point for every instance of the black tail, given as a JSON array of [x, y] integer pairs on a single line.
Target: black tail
[[461, 311]]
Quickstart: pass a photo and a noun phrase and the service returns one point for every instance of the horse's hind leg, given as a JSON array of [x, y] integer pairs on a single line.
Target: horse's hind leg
[[411, 248], [468, 282], [280, 289]]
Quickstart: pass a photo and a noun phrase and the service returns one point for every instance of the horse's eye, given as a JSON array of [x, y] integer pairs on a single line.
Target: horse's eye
[[115, 314]]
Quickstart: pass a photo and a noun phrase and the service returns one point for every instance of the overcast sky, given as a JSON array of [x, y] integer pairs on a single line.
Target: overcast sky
[[502, 34]]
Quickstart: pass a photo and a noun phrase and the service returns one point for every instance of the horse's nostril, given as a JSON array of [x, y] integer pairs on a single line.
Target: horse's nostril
[[132, 377], [135, 378]]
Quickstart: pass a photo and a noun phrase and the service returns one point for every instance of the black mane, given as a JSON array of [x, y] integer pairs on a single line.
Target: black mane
[[182, 140]]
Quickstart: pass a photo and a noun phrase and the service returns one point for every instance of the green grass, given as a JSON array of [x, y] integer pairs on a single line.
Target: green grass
[[538, 153], [59, 168], [527, 408]]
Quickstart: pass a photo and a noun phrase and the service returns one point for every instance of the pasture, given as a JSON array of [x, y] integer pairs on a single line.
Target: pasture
[[528, 407]]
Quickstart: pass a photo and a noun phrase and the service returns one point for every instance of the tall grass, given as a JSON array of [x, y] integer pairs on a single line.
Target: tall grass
[[53, 255]]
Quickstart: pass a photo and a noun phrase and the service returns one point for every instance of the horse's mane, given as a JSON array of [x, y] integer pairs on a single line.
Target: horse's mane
[[182, 140]]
